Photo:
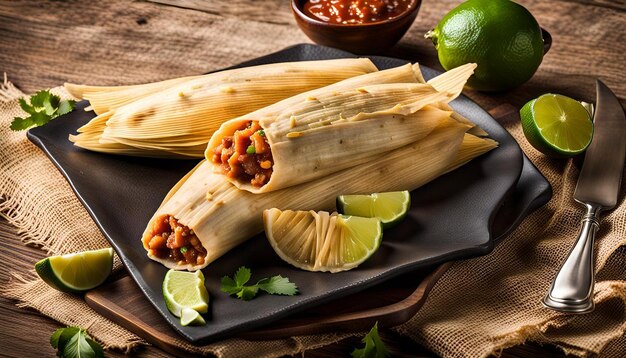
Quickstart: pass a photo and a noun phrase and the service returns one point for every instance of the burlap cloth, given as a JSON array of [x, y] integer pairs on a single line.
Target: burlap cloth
[[479, 307]]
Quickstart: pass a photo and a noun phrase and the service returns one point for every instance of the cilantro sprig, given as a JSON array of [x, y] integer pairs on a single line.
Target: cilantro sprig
[[374, 346], [275, 285], [42, 107], [73, 342]]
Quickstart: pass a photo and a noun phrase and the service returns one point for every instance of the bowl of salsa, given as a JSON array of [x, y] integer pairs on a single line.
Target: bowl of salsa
[[358, 26]]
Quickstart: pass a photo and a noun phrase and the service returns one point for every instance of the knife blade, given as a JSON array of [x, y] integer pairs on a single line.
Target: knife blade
[[597, 189]]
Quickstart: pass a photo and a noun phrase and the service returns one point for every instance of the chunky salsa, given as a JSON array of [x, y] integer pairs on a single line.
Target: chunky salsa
[[246, 155], [355, 11], [168, 239]]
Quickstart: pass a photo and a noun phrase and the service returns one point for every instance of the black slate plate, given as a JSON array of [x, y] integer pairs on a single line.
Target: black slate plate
[[450, 218]]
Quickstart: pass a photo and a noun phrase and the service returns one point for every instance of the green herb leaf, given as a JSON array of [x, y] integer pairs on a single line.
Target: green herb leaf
[[183, 249], [73, 342], [251, 149], [242, 276], [43, 108], [374, 346], [248, 292], [261, 133], [54, 338], [276, 285], [229, 286]]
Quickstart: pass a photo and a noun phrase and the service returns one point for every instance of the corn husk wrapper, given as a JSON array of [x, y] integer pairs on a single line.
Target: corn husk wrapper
[[222, 216], [175, 119], [343, 125], [105, 98]]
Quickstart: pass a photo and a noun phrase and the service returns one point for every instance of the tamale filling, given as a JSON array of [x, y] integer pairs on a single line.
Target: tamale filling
[[169, 239], [246, 155]]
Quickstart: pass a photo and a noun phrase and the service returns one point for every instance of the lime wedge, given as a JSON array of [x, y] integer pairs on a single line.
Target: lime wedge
[[322, 241], [191, 317], [182, 289], [556, 125], [76, 272], [390, 208]]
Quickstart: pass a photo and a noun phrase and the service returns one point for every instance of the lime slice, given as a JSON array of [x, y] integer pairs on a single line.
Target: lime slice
[[390, 208], [182, 289], [322, 241], [191, 317], [76, 272], [556, 125]]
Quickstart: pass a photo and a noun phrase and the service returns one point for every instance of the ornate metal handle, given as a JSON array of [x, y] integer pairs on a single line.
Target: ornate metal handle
[[572, 288]]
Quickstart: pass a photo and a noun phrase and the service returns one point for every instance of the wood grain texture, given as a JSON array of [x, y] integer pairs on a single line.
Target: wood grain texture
[[45, 43]]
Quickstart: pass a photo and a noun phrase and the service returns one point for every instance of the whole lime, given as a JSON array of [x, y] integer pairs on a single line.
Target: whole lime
[[501, 36]]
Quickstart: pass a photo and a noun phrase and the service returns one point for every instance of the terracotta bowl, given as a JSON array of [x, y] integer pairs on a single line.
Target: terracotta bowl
[[361, 39]]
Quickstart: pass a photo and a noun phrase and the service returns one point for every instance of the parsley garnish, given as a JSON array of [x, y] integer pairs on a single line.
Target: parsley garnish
[[275, 285], [261, 133], [73, 342], [374, 346], [183, 249], [43, 107]]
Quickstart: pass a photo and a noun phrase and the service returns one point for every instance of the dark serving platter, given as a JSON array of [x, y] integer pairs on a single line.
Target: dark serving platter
[[451, 218]]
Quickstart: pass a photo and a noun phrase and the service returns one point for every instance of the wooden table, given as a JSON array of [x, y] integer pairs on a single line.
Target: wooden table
[[45, 43]]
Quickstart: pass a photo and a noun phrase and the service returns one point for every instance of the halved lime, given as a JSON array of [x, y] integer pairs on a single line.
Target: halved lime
[[320, 241], [77, 272], [556, 125], [182, 289], [191, 317], [390, 208]]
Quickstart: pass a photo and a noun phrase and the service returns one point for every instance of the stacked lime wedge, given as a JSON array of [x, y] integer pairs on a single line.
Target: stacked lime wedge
[[185, 293]]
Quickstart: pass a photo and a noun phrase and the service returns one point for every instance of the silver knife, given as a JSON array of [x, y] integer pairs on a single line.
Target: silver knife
[[597, 189]]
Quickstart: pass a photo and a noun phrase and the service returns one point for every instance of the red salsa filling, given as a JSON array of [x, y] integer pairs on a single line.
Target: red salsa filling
[[355, 11], [168, 239], [246, 155]]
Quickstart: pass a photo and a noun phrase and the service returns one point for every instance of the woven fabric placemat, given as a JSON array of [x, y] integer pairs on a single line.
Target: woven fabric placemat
[[479, 307]]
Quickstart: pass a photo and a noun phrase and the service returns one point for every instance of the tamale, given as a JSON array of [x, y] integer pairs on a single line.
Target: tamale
[[177, 118], [217, 216]]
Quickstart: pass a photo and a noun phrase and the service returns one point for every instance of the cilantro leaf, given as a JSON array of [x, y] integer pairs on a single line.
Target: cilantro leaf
[[73, 342], [242, 276], [20, 124], [278, 285], [229, 286], [374, 346], [248, 292], [66, 107], [275, 285], [43, 107]]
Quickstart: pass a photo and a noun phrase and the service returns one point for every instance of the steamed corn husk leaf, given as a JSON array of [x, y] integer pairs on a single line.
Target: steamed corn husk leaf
[[231, 216], [176, 118]]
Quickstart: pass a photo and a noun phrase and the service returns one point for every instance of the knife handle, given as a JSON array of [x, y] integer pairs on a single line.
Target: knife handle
[[572, 288]]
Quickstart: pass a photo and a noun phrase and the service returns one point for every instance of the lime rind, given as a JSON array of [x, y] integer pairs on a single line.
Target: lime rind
[[191, 317], [78, 272], [182, 289], [556, 125], [390, 208]]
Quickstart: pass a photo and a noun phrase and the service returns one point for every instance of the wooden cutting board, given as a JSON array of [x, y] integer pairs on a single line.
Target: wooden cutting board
[[389, 304]]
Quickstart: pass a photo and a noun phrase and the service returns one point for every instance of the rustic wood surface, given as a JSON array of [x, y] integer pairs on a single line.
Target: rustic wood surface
[[45, 43]]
